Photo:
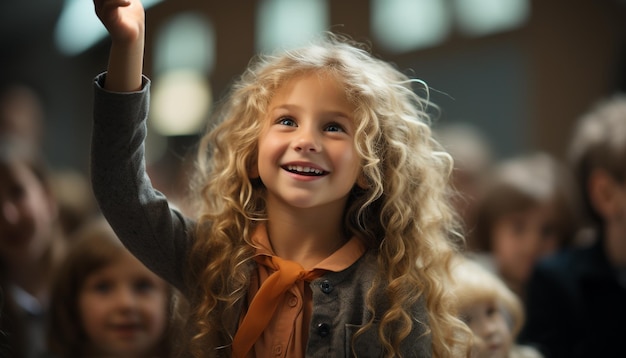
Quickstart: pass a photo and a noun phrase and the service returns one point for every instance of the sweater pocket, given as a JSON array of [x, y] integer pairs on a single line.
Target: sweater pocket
[[366, 344]]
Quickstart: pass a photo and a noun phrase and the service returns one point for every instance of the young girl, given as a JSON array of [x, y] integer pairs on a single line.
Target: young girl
[[492, 311], [324, 222], [31, 245], [527, 212], [105, 303]]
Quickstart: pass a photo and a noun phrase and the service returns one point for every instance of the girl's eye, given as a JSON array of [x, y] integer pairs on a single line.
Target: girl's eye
[[286, 121], [143, 286], [491, 310], [102, 287], [17, 192], [334, 127]]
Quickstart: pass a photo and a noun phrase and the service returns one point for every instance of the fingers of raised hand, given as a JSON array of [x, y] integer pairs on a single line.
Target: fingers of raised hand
[[108, 5], [124, 19]]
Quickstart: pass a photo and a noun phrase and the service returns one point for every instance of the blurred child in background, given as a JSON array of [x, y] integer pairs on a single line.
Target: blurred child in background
[[577, 299], [22, 114], [473, 158], [31, 245], [106, 303], [527, 212], [23, 117], [492, 311], [75, 199]]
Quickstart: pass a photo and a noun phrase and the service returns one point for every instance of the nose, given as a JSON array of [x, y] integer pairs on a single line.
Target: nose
[[307, 140], [490, 329], [534, 244], [125, 298]]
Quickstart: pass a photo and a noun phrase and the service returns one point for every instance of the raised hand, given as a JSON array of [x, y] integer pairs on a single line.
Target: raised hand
[[124, 19]]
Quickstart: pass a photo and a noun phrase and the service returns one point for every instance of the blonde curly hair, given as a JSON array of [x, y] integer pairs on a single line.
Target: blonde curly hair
[[404, 212]]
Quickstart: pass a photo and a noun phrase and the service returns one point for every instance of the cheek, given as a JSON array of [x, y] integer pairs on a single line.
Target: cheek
[[263, 153], [346, 156], [620, 211], [504, 240], [268, 153], [40, 212], [479, 326], [505, 333], [91, 314], [475, 327], [155, 310]]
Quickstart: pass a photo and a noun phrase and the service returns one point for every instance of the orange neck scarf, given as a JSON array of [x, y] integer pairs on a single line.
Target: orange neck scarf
[[267, 299]]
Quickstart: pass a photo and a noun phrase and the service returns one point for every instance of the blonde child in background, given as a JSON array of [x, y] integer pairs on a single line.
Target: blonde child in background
[[105, 303], [31, 246], [527, 212], [324, 225], [492, 311]]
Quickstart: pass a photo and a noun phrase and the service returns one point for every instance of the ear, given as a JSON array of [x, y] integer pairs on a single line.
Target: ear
[[361, 182], [602, 189], [253, 170]]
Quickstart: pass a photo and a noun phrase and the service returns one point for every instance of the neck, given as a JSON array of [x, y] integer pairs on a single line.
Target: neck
[[305, 236]]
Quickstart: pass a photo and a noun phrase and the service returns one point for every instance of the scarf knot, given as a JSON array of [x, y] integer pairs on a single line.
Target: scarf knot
[[265, 302]]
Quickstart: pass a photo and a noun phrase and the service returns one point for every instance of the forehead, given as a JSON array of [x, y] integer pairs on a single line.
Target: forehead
[[478, 304], [123, 266], [313, 86]]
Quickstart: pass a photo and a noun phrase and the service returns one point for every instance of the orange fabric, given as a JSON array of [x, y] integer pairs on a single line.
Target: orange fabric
[[266, 301], [286, 331]]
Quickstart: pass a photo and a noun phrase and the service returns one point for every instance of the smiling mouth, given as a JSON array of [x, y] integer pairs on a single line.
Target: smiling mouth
[[127, 328], [308, 171]]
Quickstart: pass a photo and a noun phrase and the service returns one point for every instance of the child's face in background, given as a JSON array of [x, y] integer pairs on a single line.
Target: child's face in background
[[307, 155], [492, 335], [27, 215], [123, 307], [519, 239]]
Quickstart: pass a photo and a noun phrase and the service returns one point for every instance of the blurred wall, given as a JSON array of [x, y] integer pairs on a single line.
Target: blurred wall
[[524, 88]]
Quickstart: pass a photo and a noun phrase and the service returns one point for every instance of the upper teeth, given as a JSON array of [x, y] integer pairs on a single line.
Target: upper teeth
[[298, 168]]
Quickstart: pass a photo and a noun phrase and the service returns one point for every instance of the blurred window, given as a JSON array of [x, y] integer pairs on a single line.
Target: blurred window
[[282, 24], [407, 25], [184, 57], [186, 40], [78, 27], [484, 17]]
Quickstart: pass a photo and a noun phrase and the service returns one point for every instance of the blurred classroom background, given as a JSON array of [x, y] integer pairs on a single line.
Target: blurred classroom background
[[521, 71]]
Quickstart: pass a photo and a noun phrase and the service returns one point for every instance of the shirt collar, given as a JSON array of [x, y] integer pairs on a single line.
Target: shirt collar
[[339, 260], [26, 301]]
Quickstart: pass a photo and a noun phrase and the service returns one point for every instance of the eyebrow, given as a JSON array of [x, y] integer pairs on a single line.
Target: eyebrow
[[293, 107]]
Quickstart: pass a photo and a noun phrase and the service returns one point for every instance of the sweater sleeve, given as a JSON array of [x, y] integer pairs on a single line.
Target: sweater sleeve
[[156, 234]]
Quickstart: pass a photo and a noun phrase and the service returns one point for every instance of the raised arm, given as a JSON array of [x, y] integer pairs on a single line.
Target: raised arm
[[140, 215], [125, 22]]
